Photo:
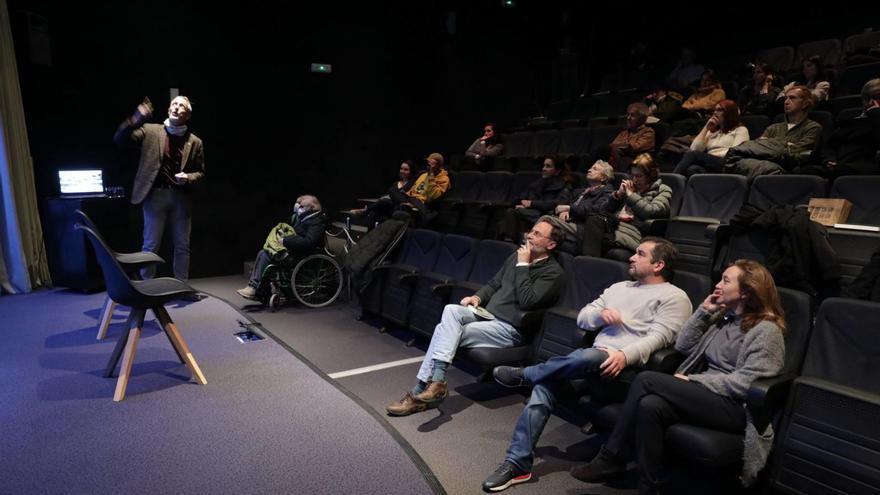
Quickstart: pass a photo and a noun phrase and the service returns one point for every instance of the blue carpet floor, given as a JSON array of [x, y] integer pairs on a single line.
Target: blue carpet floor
[[265, 422]]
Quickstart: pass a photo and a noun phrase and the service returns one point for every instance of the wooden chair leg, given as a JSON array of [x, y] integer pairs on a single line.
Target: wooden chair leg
[[179, 344], [134, 336], [106, 316], [120, 346]]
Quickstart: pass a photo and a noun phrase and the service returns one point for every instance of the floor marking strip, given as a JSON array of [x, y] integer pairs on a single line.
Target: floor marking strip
[[375, 367]]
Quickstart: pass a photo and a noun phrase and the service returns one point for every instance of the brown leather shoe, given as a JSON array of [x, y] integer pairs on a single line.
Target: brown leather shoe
[[436, 392], [406, 406]]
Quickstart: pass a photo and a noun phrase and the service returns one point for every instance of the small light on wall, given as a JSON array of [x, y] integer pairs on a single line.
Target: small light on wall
[[322, 68]]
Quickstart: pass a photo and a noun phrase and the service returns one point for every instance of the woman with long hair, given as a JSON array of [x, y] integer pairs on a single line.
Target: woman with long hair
[[759, 97], [722, 131], [813, 76], [385, 205], [734, 338]]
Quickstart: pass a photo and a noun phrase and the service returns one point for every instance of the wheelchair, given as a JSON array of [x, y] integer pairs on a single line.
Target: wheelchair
[[315, 280]]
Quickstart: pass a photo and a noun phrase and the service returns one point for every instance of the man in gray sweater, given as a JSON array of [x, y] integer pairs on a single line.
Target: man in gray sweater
[[530, 279], [634, 319]]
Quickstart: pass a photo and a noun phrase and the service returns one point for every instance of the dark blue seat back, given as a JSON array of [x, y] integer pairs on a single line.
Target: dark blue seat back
[[420, 249], [864, 193], [455, 256], [778, 190], [717, 196], [489, 259], [589, 277], [677, 183]]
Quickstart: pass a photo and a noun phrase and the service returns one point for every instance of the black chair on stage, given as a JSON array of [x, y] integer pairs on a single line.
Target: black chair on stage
[[140, 295], [131, 263]]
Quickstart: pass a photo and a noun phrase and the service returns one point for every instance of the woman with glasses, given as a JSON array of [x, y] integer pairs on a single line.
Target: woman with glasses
[[722, 131]]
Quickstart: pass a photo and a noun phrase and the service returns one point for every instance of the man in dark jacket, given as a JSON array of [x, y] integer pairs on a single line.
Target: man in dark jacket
[[309, 223], [530, 279]]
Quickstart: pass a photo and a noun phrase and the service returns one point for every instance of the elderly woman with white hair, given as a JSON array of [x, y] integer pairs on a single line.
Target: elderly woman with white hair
[[852, 147]]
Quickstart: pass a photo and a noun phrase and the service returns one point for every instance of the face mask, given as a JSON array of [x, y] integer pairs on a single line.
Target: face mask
[[299, 209]]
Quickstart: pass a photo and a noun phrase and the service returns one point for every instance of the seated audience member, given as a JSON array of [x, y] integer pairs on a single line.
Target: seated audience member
[[686, 72], [633, 320], [814, 78], [541, 198], [429, 186], [707, 95], [641, 197], [663, 105], [734, 338], [485, 147], [290, 242], [384, 206], [637, 138], [529, 279], [852, 147], [783, 146], [575, 206], [759, 98], [722, 131]]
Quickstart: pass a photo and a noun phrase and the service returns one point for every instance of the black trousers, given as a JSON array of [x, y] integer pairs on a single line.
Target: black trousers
[[656, 401]]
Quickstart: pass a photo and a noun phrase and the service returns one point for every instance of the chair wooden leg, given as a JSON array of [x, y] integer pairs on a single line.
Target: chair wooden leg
[[120, 346], [106, 316], [180, 344], [163, 323], [134, 336]]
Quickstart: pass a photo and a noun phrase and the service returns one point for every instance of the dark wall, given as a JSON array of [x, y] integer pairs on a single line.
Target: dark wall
[[402, 86], [408, 79]]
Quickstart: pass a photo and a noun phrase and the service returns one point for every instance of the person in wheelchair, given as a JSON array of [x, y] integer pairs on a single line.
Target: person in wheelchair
[[288, 244]]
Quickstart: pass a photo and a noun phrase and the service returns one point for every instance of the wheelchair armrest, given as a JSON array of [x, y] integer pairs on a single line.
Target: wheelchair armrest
[[666, 360], [766, 396]]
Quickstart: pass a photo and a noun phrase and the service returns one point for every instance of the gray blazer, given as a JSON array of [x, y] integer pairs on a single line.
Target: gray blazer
[[152, 138]]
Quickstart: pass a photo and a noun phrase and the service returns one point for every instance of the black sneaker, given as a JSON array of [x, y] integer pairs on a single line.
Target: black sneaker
[[506, 475], [510, 376], [602, 468]]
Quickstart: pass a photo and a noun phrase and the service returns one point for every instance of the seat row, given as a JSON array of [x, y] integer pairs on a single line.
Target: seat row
[[700, 212], [831, 370]]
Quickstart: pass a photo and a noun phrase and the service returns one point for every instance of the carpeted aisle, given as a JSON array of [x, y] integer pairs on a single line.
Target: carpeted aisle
[[264, 423]]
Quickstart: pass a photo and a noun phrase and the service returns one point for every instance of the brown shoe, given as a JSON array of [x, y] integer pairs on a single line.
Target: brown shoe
[[436, 392], [406, 406]]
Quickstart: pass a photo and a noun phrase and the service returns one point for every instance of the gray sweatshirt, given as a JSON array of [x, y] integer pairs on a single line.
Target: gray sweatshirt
[[652, 315]]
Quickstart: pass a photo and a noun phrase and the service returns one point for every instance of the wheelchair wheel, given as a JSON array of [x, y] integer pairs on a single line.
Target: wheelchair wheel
[[317, 280]]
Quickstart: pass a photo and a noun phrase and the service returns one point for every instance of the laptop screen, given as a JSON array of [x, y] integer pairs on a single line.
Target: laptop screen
[[80, 182]]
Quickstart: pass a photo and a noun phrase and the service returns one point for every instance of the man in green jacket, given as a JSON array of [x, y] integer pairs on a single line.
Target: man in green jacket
[[783, 146], [530, 279]]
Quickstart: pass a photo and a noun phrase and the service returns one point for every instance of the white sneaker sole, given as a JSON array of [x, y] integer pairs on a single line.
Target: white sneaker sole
[[514, 481]]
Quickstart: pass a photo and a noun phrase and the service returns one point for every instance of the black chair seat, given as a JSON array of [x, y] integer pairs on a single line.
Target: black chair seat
[[138, 259], [708, 447], [162, 289]]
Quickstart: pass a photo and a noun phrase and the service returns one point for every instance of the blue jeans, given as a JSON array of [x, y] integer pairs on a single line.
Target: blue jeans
[[263, 260], [460, 327], [160, 206], [534, 416]]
